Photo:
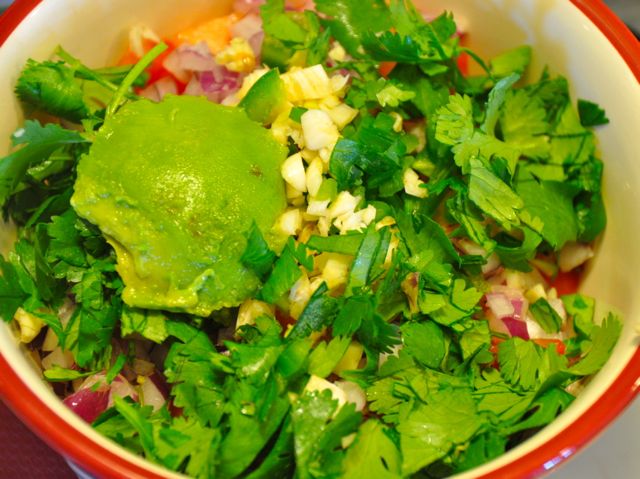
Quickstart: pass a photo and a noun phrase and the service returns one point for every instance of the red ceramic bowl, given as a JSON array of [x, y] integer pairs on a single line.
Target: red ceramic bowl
[[581, 39]]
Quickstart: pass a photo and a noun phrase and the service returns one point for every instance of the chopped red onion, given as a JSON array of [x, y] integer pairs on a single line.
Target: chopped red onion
[[158, 90], [95, 396], [516, 327], [122, 388], [508, 308], [247, 27], [216, 85], [88, 404], [255, 42], [500, 305], [173, 64], [196, 58], [247, 6]]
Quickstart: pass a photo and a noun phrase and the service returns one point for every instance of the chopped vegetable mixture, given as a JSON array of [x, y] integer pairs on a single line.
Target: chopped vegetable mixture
[[307, 241]]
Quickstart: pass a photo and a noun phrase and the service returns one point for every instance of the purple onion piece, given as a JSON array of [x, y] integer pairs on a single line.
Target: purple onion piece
[[516, 327], [88, 404]]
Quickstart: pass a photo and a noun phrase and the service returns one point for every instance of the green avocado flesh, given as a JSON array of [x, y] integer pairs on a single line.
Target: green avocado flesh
[[174, 186]]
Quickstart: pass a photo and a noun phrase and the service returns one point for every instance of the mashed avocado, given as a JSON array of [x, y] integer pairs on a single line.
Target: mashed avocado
[[174, 186]]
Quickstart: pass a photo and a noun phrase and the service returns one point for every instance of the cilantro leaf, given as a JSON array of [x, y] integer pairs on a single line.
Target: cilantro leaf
[[591, 114], [425, 342], [254, 415], [344, 244], [373, 450], [317, 432], [318, 313], [370, 256], [52, 87], [581, 309], [493, 196], [570, 141], [603, 339], [495, 101], [431, 430], [326, 356], [149, 324], [283, 276], [519, 360], [524, 124], [516, 254], [187, 441], [257, 255], [545, 409], [58, 374], [511, 61], [552, 201], [40, 142], [455, 120], [352, 312], [392, 95], [481, 146], [349, 25], [12, 295]]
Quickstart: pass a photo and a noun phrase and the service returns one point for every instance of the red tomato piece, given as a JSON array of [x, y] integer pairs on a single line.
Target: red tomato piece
[[566, 283], [545, 343]]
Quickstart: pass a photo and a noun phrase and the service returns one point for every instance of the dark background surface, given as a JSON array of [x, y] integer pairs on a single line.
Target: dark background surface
[[24, 456]]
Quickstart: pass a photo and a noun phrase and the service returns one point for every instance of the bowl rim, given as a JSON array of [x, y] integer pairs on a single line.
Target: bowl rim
[[73, 444]]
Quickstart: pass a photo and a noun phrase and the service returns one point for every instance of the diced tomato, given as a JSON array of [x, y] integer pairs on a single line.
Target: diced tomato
[[566, 283], [463, 64], [284, 319], [386, 67], [215, 32], [545, 343], [156, 70], [174, 410], [463, 59], [493, 349], [128, 58]]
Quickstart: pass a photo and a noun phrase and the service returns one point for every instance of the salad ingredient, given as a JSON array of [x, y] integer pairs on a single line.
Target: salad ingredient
[[174, 195], [402, 304]]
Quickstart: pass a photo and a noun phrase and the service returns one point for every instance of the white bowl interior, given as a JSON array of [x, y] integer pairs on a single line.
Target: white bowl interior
[[562, 37]]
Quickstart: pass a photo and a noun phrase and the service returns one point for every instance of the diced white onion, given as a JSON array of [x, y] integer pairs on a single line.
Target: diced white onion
[[318, 208], [293, 172], [58, 357], [344, 203], [412, 184], [318, 384], [151, 394], [573, 255], [310, 83], [252, 309], [29, 325], [318, 129], [314, 176], [290, 222], [336, 271], [353, 394]]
